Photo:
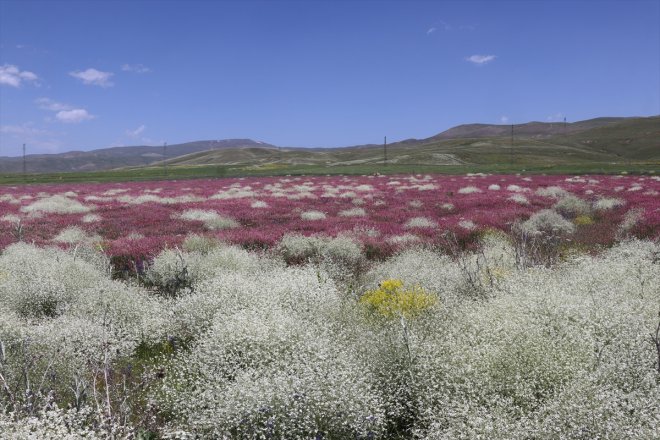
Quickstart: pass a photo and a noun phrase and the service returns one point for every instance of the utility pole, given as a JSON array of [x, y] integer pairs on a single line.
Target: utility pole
[[511, 148], [24, 167], [165, 158], [385, 151], [564, 125]]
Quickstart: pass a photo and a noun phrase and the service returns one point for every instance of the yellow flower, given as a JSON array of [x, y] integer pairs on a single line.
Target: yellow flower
[[581, 220], [391, 285], [391, 299]]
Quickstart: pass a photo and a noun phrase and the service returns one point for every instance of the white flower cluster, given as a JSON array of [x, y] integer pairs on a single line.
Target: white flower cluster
[[420, 222], [211, 219], [561, 353], [254, 348], [556, 192], [354, 212], [173, 266], [62, 320], [469, 190], [57, 204], [547, 221], [312, 215], [53, 423], [271, 362], [605, 203], [151, 198], [572, 206], [75, 235], [340, 257]]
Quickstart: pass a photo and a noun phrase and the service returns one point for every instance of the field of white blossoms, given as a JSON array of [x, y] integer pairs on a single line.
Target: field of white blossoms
[[481, 307]]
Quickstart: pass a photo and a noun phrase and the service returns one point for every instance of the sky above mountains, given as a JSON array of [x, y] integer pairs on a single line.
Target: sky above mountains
[[92, 74]]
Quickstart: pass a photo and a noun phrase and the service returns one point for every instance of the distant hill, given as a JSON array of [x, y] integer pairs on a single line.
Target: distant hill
[[115, 157], [637, 138], [529, 129], [596, 140]]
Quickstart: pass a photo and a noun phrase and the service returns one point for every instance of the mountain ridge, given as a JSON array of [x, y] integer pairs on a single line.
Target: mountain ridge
[[598, 139]]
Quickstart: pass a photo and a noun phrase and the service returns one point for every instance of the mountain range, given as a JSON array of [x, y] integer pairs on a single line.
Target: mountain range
[[611, 139]]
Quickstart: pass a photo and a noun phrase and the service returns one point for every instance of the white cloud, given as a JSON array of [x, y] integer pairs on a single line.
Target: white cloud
[[137, 132], [21, 130], [37, 139], [504, 119], [73, 116], [11, 75], [446, 26], [94, 77], [136, 68], [442, 25], [64, 112], [480, 60], [137, 136], [49, 104]]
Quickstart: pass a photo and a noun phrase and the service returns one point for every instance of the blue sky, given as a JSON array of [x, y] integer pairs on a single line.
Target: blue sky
[[91, 74]]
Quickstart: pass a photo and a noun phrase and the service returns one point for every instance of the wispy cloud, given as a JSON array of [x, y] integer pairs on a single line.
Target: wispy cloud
[[21, 130], [11, 75], [441, 25], [448, 27], [135, 68], [93, 77], [137, 132], [34, 137], [480, 60], [504, 119], [559, 116], [49, 104], [137, 135], [64, 112]]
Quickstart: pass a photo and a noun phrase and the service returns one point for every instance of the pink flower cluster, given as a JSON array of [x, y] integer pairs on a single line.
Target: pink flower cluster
[[136, 220]]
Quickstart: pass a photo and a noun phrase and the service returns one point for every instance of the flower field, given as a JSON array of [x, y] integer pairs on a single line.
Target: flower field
[[134, 221], [403, 307]]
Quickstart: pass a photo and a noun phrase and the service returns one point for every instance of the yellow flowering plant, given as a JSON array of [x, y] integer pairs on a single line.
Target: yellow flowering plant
[[583, 220], [392, 299]]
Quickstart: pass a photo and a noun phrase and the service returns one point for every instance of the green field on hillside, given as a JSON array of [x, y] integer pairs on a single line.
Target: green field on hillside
[[208, 171]]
